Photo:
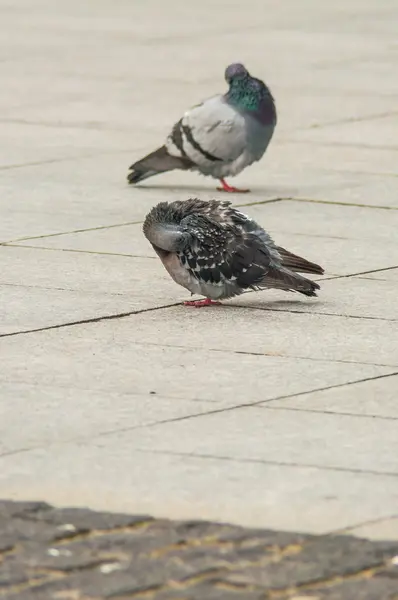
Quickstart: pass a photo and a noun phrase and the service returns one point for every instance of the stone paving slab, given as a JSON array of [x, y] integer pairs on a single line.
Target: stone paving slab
[[322, 440], [50, 553], [302, 337], [117, 357], [108, 471]]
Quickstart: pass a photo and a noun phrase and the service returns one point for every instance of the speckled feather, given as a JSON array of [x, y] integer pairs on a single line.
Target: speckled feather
[[215, 250]]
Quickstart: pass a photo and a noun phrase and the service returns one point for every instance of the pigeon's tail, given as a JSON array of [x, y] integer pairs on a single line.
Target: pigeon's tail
[[156, 162], [284, 279], [296, 263]]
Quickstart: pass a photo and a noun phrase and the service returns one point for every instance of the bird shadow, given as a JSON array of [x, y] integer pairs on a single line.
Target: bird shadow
[[280, 305], [271, 193]]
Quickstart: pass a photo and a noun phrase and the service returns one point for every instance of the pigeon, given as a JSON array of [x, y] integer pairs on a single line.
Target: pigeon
[[219, 137], [214, 250]]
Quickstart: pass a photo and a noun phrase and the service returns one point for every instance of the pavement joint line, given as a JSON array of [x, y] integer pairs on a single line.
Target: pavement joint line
[[196, 415], [284, 397], [376, 147], [255, 203], [337, 203], [346, 530], [243, 205], [237, 407], [360, 273], [326, 412], [39, 237], [100, 227], [270, 201], [192, 416], [90, 125], [174, 304], [63, 289], [46, 161], [348, 120], [269, 462], [266, 354], [90, 320], [368, 172], [179, 304], [12, 245], [312, 312], [162, 451]]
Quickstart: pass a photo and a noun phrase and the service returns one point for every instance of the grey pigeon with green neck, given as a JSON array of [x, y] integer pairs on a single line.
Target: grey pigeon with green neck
[[220, 137]]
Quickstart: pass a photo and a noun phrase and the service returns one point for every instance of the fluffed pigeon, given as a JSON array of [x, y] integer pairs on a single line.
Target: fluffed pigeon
[[212, 249], [219, 137]]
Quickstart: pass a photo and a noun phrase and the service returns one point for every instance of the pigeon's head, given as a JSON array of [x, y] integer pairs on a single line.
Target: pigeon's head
[[235, 72]]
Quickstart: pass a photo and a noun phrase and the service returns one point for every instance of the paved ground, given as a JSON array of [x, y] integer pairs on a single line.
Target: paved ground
[[50, 554], [273, 411]]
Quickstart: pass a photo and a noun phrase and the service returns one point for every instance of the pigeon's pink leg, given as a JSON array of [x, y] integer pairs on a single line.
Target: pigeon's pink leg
[[228, 188], [200, 303]]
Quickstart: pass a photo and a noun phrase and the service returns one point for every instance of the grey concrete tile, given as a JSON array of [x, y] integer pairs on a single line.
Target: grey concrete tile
[[120, 356], [253, 494], [385, 529], [350, 297], [54, 414], [270, 333], [40, 288], [281, 436]]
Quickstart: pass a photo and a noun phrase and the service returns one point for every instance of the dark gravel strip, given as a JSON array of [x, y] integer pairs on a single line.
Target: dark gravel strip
[[77, 554]]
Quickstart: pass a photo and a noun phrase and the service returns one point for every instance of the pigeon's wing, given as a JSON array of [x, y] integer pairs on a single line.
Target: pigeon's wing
[[211, 133], [220, 252]]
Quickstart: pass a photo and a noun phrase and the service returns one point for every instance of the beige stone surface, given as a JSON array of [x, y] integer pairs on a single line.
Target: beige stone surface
[[273, 410]]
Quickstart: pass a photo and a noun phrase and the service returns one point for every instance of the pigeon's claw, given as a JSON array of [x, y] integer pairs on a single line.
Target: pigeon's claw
[[229, 188], [200, 303]]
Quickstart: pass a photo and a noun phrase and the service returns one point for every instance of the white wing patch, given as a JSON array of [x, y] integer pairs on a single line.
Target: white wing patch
[[210, 134]]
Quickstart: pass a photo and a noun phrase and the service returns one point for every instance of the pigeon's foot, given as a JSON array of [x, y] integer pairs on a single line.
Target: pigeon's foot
[[229, 188], [200, 303]]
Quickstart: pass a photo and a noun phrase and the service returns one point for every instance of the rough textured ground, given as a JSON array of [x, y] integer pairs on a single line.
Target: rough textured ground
[[273, 411], [49, 554]]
